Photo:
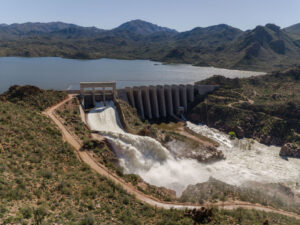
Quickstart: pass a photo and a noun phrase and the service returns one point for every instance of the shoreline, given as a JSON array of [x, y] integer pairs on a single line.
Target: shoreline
[[57, 72], [140, 59]]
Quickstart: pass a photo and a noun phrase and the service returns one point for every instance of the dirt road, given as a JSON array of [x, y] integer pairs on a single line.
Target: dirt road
[[102, 170]]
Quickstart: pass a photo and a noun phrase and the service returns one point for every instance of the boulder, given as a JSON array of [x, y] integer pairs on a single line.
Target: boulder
[[290, 150]]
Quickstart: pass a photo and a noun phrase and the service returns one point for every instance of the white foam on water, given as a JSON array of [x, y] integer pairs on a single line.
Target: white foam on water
[[246, 160], [104, 118]]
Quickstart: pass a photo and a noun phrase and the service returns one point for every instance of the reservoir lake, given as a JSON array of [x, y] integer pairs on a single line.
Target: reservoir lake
[[60, 74]]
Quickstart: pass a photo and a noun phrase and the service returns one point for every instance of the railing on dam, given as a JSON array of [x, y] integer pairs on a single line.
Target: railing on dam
[[161, 101]]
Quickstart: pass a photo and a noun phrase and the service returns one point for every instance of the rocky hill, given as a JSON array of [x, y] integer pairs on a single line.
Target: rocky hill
[[263, 48], [142, 27], [29, 29], [43, 182], [266, 108], [294, 30], [265, 43]]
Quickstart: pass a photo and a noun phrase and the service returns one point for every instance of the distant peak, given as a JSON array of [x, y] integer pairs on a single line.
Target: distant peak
[[143, 27], [137, 21], [259, 27], [273, 27], [222, 25], [218, 27]]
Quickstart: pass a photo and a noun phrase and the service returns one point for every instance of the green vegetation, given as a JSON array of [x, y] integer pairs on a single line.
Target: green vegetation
[[266, 108], [263, 48], [43, 182], [132, 121], [135, 125], [102, 151], [274, 195], [294, 31], [249, 217], [232, 134], [32, 96], [192, 145], [163, 132], [70, 114]]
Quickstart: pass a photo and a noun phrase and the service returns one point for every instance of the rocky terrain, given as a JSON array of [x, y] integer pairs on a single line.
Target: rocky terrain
[[180, 141], [202, 153], [43, 182], [290, 150], [266, 108], [276, 195], [263, 48], [102, 151]]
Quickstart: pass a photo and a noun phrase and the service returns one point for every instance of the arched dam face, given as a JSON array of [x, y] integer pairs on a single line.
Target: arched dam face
[[161, 101], [246, 160]]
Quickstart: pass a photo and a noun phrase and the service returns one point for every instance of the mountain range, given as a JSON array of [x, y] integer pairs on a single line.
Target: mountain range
[[263, 48]]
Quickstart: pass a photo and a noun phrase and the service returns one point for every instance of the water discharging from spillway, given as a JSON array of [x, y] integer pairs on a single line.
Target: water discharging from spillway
[[246, 160]]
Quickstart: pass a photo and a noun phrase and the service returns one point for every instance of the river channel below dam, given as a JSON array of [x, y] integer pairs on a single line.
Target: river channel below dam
[[246, 160]]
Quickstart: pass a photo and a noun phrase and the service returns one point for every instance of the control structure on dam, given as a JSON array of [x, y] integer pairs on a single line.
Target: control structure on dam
[[92, 92], [161, 101]]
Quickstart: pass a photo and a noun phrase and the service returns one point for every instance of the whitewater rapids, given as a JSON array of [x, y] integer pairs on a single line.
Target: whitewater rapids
[[246, 160]]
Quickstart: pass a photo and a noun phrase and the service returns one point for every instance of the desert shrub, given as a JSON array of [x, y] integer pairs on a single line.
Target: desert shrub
[[89, 191], [88, 220], [64, 188], [232, 134], [26, 212], [39, 215], [125, 201], [46, 173], [132, 178], [3, 210]]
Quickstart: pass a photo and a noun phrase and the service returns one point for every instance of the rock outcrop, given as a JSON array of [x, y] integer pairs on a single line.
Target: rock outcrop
[[202, 152], [251, 108], [290, 150]]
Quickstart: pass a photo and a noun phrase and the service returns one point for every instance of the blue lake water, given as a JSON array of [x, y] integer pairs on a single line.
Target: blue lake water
[[59, 73]]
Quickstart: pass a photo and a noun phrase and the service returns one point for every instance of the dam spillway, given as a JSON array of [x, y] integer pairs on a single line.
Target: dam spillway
[[161, 101], [245, 160]]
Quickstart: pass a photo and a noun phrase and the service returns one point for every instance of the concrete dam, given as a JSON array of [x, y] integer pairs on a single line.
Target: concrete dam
[[151, 102], [161, 101], [245, 160]]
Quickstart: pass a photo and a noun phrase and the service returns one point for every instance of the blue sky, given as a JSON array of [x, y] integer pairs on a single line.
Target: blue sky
[[177, 14]]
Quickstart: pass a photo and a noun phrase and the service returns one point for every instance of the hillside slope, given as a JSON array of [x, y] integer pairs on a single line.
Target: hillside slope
[[266, 108], [43, 182], [268, 44], [41, 178], [293, 30], [263, 48], [143, 28]]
